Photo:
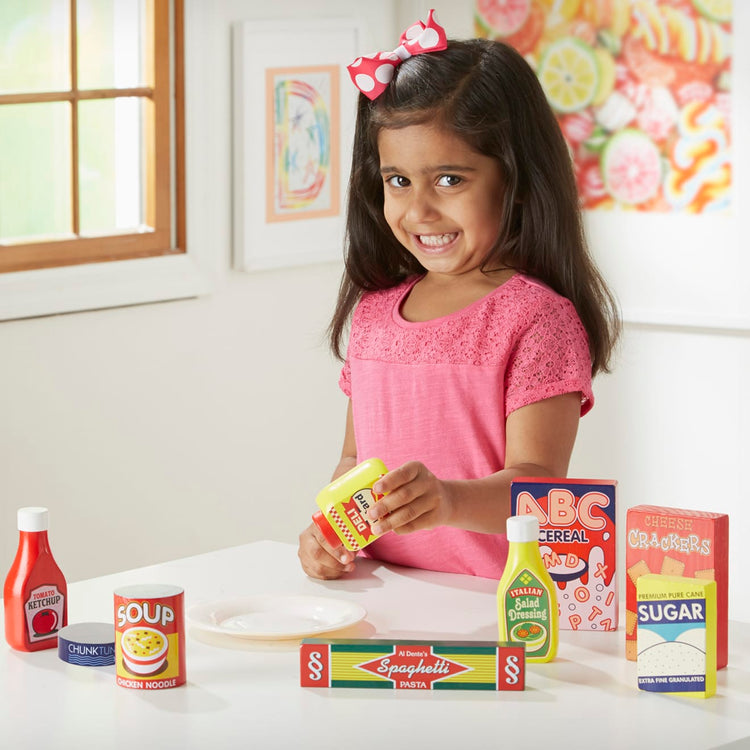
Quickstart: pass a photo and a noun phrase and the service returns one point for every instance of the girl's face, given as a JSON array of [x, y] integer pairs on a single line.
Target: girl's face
[[443, 199]]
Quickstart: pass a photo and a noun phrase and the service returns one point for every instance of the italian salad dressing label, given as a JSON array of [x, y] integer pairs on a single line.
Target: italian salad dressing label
[[527, 613]]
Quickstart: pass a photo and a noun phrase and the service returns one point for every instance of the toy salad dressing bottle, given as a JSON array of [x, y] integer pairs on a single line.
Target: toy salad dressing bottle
[[526, 599], [35, 593], [344, 503]]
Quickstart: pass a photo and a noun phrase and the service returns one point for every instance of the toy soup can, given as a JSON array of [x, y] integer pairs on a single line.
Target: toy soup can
[[149, 636]]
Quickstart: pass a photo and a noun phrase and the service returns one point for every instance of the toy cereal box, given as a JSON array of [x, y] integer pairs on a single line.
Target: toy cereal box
[[676, 542], [412, 665], [578, 544], [676, 635]]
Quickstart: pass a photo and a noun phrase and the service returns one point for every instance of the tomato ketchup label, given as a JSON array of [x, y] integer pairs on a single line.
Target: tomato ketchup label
[[44, 610], [149, 637]]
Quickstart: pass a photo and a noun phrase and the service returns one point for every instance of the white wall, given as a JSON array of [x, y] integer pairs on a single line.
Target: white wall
[[165, 430], [671, 426]]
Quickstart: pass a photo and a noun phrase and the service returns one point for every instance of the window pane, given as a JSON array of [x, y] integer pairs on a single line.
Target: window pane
[[110, 156], [109, 43], [34, 46], [35, 174]]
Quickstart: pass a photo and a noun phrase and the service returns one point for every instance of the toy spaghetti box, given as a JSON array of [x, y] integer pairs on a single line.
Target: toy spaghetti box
[[578, 544], [675, 542], [676, 635], [412, 665]]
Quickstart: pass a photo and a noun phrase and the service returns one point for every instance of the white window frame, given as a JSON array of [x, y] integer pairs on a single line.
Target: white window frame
[[33, 293]]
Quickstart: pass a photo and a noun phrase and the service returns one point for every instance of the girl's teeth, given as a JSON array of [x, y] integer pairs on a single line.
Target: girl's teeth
[[436, 240]]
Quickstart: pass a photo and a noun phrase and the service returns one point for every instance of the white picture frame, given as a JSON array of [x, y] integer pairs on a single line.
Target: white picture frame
[[287, 73]]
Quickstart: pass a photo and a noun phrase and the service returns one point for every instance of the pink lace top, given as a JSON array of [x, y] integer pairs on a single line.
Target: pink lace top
[[439, 392]]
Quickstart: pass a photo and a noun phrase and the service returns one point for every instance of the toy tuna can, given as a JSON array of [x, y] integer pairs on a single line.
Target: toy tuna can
[[149, 636]]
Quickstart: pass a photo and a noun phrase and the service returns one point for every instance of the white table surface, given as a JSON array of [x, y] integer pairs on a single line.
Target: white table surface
[[245, 694]]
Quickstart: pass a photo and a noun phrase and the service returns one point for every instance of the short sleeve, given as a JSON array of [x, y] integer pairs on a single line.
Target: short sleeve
[[550, 357], [345, 379]]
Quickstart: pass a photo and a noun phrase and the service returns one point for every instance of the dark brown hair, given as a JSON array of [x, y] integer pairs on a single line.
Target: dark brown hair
[[489, 96]]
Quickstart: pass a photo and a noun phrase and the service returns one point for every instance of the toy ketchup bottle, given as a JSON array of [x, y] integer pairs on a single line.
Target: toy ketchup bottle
[[342, 518], [35, 593], [526, 598]]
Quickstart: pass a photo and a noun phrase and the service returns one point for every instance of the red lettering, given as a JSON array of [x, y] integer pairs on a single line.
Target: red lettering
[[551, 560], [562, 507], [526, 505], [588, 501]]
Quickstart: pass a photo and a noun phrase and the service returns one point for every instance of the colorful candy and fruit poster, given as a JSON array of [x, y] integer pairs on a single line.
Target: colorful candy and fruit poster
[[641, 89]]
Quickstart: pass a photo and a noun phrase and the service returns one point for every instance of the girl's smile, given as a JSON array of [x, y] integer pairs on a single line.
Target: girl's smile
[[442, 199], [435, 243]]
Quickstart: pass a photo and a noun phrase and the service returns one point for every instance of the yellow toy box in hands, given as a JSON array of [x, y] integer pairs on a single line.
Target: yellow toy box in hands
[[342, 518]]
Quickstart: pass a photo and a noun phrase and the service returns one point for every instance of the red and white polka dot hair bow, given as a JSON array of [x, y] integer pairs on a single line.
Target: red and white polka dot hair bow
[[372, 73]]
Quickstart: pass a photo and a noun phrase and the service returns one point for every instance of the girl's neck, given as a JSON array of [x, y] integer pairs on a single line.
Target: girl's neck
[[437, 295]]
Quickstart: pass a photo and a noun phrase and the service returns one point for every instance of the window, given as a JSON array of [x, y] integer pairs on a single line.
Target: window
[[85, 109], [91, 135]]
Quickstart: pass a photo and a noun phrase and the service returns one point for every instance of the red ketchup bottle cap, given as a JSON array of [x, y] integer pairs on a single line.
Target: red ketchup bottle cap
[[326, 529]]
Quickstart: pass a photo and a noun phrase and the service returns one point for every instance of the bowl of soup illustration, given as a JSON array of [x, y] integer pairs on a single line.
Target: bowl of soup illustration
[[531, 634], [144, 650], [568, 568]]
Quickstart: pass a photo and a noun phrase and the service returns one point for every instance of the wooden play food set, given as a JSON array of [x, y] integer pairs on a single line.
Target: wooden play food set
[[342, 518], [526, 602], [35, 595], [411, 665], [149, 636], [676, 635], [578, 542], [675, 542]]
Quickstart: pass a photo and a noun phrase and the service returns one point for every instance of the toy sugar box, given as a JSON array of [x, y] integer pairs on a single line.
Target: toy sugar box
[[676, 635], [675, 542], [412, 665], [578, 544]]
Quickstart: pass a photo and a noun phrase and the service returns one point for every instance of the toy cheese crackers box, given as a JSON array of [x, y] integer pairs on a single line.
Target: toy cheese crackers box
[[578, 544], [676, 635], [675, 542], [412, 665]]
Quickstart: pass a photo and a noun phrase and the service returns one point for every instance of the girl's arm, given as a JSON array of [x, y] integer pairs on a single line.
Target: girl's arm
[[539, 442], [348, 458], [318, 558]]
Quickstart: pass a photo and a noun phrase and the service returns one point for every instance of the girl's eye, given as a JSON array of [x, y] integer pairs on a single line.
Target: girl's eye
[[449, 180], [397, 181]]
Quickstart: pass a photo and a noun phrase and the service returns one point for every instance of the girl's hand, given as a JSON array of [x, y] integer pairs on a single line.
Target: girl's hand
[[319, 559], [416, 499]]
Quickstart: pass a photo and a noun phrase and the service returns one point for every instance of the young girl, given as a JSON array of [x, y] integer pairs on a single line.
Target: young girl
[[477, 315]]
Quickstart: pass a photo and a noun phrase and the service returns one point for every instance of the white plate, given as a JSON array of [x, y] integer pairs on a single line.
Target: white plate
[[275, 617]]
